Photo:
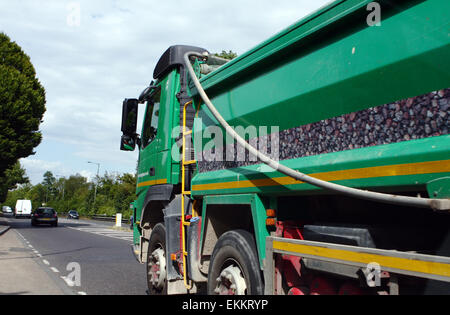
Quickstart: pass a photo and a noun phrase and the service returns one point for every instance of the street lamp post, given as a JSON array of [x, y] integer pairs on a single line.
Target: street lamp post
[[96, 182]]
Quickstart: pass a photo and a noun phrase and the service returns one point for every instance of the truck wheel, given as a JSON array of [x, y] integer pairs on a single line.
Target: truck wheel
[[156, 261], [234, 268]]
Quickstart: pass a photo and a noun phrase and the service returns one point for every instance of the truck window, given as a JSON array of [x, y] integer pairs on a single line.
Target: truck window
[[151, 120]]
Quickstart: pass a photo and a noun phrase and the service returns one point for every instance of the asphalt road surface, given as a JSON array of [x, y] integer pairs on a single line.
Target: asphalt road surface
[[103, 256]]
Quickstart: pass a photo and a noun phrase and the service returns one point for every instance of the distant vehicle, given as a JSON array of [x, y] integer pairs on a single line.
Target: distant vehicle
[[7, 210], [73, 215], [44, 216], [23, 209]]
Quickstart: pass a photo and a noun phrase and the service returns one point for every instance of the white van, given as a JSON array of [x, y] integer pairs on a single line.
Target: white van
[[23, 209]]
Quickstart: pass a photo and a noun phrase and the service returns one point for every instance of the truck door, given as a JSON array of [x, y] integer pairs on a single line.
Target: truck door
[[150, 143]]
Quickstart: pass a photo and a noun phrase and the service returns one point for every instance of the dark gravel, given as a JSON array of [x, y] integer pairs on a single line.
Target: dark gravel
[[410, 119]]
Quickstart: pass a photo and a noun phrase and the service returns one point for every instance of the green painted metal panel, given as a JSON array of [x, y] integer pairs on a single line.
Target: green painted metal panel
[[403, 153], [439, 188], [316, 70], [158, 153], [329, 64], [258, 208]]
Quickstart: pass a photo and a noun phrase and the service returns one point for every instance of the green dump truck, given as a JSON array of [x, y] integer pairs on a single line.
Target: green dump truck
[[316, 163]]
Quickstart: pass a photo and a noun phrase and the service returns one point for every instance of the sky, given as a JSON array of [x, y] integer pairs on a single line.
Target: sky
[[90, 55]]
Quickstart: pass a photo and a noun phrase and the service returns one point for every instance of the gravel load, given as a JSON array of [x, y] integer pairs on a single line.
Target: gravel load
[[410, 119]]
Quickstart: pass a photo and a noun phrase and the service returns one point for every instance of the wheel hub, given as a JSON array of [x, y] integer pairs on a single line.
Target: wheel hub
[[158, 268], [231, 282]]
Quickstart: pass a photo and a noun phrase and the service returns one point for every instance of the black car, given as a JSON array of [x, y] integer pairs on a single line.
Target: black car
[[44, 216], [73, 215]]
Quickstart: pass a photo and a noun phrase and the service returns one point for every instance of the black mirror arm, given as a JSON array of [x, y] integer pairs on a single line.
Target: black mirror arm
[[138, 140], [146, 93]]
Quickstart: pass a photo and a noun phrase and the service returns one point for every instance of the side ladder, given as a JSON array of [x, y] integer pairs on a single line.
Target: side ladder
[[184, 193]]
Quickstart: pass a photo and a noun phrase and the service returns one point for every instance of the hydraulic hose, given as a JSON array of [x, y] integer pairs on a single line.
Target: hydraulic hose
[[435, 204]]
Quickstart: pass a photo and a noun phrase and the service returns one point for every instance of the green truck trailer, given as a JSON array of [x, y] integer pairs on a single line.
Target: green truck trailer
[[316, 163]]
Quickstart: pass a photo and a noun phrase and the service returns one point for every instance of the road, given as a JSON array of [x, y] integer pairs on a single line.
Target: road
[[104, 257]]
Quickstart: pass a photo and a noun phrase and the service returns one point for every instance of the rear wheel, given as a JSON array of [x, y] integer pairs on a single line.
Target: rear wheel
[[156, 261], [234, 267]]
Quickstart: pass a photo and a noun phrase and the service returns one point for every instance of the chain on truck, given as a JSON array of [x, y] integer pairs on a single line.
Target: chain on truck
[[348, 194]]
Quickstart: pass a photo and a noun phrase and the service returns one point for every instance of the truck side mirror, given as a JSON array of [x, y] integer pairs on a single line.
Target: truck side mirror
[[128, 143], [129, 125], [129, 116]]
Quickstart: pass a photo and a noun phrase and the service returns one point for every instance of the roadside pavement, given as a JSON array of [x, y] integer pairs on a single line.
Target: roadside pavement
[[4, 226], [20, 271]]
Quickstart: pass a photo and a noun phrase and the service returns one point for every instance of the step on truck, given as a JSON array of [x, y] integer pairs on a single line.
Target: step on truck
[[315, 163]]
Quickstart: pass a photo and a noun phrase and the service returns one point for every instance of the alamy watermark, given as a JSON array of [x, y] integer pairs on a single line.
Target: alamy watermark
[[214, 144], [374, 17], [73, 279]]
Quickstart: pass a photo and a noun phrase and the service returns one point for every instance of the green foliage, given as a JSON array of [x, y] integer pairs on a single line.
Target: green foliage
[[13, 177], [114, 194], [49, 184], [230, 55], [22, 105]]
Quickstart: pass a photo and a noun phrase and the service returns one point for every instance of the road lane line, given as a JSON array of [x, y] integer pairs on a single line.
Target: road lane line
[[69, 282], [47, 263], [120, 235]]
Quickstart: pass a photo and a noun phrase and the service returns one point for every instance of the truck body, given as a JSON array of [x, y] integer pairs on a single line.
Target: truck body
[[23, 209], [363, 106]]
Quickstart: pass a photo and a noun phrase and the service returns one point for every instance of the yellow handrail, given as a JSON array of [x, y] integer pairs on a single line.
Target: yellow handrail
[[184, 193]]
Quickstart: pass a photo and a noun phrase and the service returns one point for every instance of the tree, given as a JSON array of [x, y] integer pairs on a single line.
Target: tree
[[114, 195], [13, 177], [230, 55], [49, 184], [22, 105], [49, 179]]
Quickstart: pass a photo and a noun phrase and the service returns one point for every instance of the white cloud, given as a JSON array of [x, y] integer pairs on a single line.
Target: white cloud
[[36, 168], [89, 175]]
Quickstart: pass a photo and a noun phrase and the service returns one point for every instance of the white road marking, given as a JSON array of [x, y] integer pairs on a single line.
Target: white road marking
[[122, 235], [69, 282]]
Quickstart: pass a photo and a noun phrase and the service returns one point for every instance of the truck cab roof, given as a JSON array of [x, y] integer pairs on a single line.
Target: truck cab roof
[[173, 57]]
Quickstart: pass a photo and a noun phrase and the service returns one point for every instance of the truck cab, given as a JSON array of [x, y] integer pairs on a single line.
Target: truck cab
[[159, 169], [162, 121]]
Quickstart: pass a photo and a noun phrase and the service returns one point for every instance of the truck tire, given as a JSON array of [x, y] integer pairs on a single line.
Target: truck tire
[[234, 268], [156, 261]]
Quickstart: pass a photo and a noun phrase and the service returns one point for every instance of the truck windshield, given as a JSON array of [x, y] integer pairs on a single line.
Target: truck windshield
[[151, 120]]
